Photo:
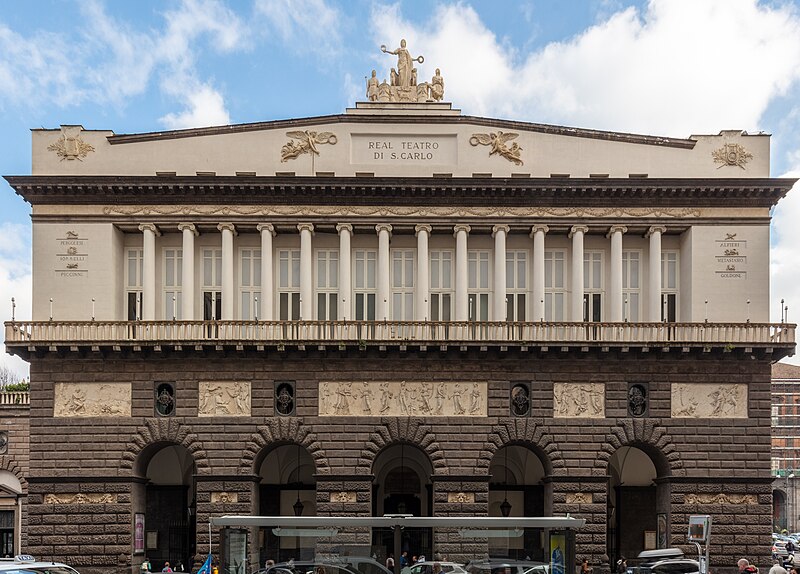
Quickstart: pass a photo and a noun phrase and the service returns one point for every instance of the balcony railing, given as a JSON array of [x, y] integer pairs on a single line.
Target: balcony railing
[[35, 333], [14, 398]]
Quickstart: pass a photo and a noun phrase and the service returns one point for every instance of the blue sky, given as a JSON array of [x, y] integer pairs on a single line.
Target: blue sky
[[662, 67]]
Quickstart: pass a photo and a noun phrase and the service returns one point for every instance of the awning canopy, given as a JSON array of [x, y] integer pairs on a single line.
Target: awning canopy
[[483, 522]]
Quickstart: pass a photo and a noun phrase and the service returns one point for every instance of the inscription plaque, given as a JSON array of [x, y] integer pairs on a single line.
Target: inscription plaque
[[404, 149]]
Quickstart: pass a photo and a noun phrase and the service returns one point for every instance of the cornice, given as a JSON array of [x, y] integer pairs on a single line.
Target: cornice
[[360, 191]]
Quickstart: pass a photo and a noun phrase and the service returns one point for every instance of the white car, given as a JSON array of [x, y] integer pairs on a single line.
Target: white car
[[427, 568], [24, 564]]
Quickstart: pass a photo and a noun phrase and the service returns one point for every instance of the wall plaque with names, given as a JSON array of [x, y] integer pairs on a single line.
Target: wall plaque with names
[[404, 149], [731, 257], [71, 255]]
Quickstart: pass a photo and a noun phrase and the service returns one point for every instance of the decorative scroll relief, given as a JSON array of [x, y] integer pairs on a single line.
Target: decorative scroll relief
[[224, 497], [587, 400], [307, 142], [70, 146], [702, 400], [92, 400], [343, 497], [497, 143], [81, 498], [731, 154], [224, 399], [403, 399], [579, 498], [397, 211], [720, 499], [461, 497]]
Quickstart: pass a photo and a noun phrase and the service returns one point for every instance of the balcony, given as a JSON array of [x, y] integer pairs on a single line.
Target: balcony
[[37, 337], [14, 398]]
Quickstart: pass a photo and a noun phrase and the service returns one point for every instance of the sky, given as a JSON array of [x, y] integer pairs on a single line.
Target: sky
[[658, 67]]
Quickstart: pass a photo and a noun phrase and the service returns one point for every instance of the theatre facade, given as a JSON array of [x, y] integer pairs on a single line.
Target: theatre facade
[[400, 309]]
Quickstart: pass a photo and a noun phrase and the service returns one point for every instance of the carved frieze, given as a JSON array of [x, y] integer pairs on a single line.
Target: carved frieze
[[497, 145], [720, 499], [80, 498], [343, 497], [92, 400], [224, 497], [703, 400], [400, 211], [403, 399], [70, 146], [586, 400], [307, 142], [731, 154], [224, 399], [461, 497], [579, 498]]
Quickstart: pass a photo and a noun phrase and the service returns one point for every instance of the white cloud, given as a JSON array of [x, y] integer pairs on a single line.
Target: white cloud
[[205, 108], [307, 25], [676, 68], [15, 281]]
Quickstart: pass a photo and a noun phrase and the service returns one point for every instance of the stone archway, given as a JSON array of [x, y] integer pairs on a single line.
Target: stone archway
[[158, 432], [402, 430], [279, 431], [524, 432], [647, 435]]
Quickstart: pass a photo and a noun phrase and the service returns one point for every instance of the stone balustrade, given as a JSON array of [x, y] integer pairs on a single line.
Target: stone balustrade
[[14, 398]]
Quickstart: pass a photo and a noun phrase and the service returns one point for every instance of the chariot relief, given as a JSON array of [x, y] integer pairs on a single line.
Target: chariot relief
[[586, 400], [403, 399], [92, 400], [705, 400], [224, 399]]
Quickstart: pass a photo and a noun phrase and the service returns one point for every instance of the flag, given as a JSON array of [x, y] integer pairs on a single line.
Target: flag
[[206, 567]]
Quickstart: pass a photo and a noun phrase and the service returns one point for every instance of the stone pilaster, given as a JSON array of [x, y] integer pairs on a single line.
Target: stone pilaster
[[460, 496]]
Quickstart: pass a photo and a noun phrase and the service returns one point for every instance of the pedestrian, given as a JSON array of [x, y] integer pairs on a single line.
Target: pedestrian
[[437, 568], [269, 563], [585, 568], [777, 568], [745, 567], [145, 568], [404, 559], [390, 562], [166, 567], [414, 559]]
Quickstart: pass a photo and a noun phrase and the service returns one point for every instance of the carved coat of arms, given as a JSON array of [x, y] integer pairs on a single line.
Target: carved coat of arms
[[731, 154], [70, 146]]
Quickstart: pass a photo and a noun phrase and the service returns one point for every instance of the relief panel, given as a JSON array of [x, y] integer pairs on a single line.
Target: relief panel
[[403, 399], [587, 400], [709, 401], [92, 400], [224, 399]]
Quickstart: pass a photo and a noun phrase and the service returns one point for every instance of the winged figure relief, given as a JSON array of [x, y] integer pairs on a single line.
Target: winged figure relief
[[307, 142], [497, 142]]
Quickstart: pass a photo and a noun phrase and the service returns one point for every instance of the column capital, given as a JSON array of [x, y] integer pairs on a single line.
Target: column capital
[[539, 227], [383, 227], [616, 229], [149, 227], [227, 227], [578, 229], [422, 227], [305, 227], [188, 227], [461, 227], [655, 229], [262, 227], [498, 228], [344, 227]]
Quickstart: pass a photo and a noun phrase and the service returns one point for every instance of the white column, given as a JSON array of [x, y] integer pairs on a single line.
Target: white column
[[187, 278], [615, 233], [345, 279], [499, 309], [423, 272], [306, 272], [576, 307], [228, 231], [462, 276], [538, 232], [654, 257], [149, 271], [384, 234], [266, 300]]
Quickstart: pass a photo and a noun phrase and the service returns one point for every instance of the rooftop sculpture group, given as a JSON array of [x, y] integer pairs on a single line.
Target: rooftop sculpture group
[[403, 85]]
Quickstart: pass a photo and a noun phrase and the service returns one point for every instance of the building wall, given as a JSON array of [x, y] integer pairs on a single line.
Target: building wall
[[15, 458]]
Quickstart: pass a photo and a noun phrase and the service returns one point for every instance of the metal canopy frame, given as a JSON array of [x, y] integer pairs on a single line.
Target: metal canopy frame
[[390, 521]]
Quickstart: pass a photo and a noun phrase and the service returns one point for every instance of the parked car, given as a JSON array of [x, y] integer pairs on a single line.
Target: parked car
[[329, 565], [779, 549], [25, 564], [427, 568], [664, 561], [501, 566]]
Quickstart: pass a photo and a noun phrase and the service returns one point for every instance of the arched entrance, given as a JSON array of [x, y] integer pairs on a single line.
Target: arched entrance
[[10, 513], [168, 504], [779, 507], [517, 488], [402, 485], [288, 487], [638, 502]]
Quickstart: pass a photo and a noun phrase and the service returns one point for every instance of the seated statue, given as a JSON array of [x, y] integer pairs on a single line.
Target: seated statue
[[437, 86]]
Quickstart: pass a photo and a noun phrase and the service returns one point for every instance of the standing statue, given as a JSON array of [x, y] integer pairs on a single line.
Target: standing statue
[[437, 86], [404, 63], [372, 87]]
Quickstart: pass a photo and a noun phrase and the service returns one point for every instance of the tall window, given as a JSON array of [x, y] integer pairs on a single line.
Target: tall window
[[478, 285], [212, 284], [441, 289], [289, 284], [173, 276], [630, 285], [593, 286], [365, 262], [403, 285], [669, 286], [250, 283], [7, 533], [554, 291], [516, 285], [327, 285], [133, 284]]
